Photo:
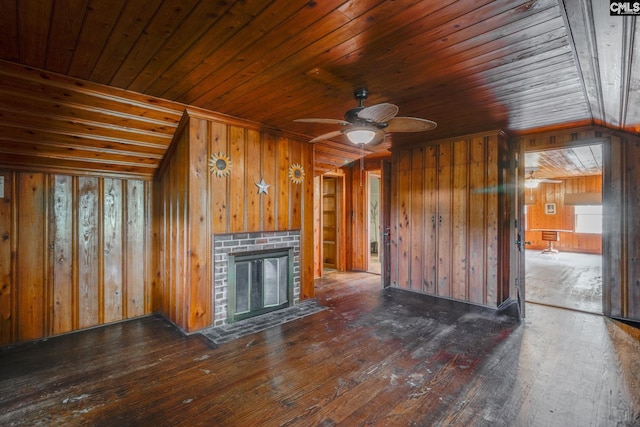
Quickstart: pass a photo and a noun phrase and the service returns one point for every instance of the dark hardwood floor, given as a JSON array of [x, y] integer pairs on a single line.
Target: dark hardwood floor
[[374, 357]]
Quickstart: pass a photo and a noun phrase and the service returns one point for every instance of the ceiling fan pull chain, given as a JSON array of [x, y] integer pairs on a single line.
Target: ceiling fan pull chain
[[361, 163]]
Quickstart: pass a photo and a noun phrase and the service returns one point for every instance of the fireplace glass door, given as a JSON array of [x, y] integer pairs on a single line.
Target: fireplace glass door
[[259, 283]]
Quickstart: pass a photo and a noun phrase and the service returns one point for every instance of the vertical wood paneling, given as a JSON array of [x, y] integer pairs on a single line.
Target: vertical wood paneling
[[218, 143], [238, 188], [296, 190], [614, 253], [445, 227], [448, 207], [112, 250], [459, 220], [254, 208], [306, 210], [30, 256], [477, 221], [7, 283], [403, 232], [198, 235], [417, 232], [87, 244], [269, 174], [62, 257], [394, 217], [181, 229], [632, 201], [198, 204], [492, 223], [430, 250], [280, 187], [356, 206], [136, 245], [72, 250]]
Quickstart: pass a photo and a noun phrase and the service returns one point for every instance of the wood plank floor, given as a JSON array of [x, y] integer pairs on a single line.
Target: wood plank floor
[[374, 357], [567, 279]]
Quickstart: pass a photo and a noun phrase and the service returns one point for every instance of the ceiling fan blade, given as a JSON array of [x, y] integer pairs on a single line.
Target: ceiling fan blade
[[409, 124], [379, 113], [325, 121], [325, 136]]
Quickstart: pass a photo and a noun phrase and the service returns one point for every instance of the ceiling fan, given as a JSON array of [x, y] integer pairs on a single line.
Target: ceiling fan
[[531, 182], [368, 125]]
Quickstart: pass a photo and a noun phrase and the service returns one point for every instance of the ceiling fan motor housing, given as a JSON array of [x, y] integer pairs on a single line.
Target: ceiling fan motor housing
[[352, 116]]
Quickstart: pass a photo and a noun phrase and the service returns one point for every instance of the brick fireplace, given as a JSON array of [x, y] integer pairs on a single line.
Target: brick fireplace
[[231, 249]]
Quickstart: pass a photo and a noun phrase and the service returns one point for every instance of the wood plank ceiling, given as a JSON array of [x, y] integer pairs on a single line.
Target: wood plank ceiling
[[106, 81], [584, 160]]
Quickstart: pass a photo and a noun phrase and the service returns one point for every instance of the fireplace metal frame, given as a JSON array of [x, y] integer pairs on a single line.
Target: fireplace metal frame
[[239, 257]]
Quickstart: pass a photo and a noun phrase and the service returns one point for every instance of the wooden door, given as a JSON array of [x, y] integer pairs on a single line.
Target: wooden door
[[330, 222], [385, 223], [517, 259]]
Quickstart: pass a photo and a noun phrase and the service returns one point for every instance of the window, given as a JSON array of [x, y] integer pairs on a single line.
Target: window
[[588, 219]]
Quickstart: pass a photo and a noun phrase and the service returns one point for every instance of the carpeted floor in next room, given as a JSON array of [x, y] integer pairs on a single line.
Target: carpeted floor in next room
[[566, 279]]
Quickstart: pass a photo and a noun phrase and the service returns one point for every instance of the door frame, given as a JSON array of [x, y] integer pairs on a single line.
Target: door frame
[[385, 223], [373, 174], [340, 221], [607, 207]]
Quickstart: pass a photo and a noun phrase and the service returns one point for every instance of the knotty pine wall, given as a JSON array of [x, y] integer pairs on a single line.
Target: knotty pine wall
[[620, 201], [193, 205], [446, 220], [74, 253], [564, 218]]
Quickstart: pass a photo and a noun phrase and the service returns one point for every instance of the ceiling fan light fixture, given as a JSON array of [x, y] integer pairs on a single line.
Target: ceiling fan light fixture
[[361, 136], [531, 183]]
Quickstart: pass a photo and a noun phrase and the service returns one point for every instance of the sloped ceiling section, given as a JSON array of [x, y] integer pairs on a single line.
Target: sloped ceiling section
[[471, 66], [608, 52]]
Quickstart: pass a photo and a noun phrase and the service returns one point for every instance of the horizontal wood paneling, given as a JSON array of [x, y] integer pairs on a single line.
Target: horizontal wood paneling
[[445, 221], [50, 122], [195, 204], [81, 253]]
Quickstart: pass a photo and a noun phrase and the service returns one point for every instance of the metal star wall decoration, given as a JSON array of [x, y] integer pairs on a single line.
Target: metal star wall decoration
[[263, 187]]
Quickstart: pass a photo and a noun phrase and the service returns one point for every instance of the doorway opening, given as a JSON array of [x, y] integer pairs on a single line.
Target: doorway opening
[[374, 203], [563, 227], [330, 233]]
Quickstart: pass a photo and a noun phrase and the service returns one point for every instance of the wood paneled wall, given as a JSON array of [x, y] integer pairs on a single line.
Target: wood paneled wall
[[193, 205], [74, 253], [564, 218], [445, 222], [621, 201]]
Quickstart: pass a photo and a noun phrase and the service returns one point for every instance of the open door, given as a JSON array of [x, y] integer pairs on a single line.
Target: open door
[[517, 275]]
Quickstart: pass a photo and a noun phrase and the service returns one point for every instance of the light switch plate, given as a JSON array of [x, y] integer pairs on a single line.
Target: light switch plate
[[1, 187]]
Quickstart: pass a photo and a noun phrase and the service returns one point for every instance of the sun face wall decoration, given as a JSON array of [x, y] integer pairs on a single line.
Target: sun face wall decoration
[[296, 173], [220, 165]]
